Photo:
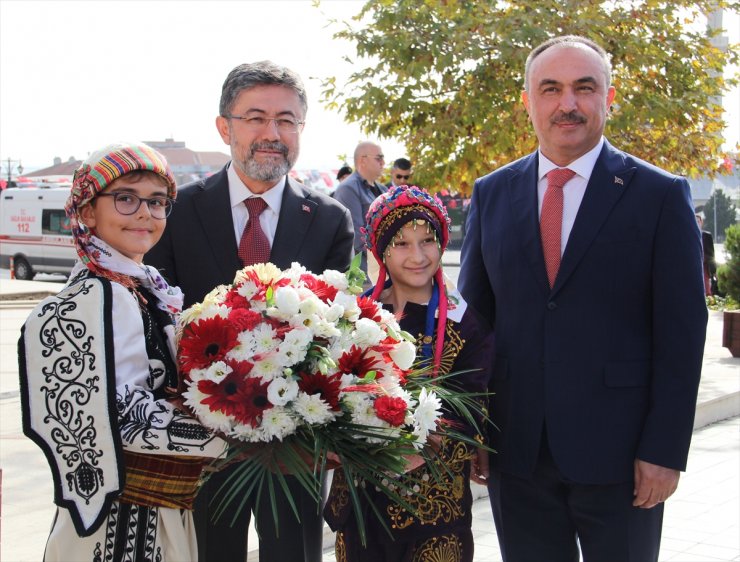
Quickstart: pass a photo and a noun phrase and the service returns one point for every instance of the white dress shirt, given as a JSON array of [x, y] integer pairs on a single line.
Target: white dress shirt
[[238, 192], [573, 191]]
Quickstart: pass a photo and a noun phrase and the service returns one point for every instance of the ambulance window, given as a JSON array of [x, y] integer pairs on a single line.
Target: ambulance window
[[55, 221]]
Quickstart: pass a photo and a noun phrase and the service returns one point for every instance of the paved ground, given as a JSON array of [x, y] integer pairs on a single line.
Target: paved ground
[[702, 521]]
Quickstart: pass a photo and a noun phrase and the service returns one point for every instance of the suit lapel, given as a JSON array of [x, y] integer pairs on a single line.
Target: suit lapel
[[609, 180], [296, 214], [213, 208], [523, 189]]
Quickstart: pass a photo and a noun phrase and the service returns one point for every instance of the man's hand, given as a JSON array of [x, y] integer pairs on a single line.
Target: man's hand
[[479, 467], [653, 484]]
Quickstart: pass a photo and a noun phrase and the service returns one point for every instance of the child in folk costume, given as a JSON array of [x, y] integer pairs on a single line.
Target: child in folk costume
[[407, 231], [96, 362]]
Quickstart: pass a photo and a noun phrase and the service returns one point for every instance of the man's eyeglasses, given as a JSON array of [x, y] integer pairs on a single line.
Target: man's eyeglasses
[[283, 124], [402, 177], [378, 157], [128, 204]]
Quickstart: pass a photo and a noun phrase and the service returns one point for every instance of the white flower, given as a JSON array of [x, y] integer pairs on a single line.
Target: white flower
[[404, 355], [246, 432], [334, 313], [313, 409], [265, 338], [247, 289], [267, 273], [287, 301], [245, 348], [268, 367], [349, 303], [367, 333], [335, 279], [217, 371], [277, 423], [426, 414], [281, 391]]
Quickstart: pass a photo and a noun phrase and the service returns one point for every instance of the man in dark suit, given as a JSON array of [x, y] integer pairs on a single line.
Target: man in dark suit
[[262, 111], [592, 277]]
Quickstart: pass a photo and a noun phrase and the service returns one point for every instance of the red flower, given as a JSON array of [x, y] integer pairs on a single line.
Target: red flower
[[244, 319], [244, 399], [392, 410], [355, 361], [369, 308], [206, 341], [320, 288], [234, 300], [325, 386]]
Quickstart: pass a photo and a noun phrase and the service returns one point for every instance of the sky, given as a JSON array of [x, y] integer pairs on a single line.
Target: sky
[[77, 75]]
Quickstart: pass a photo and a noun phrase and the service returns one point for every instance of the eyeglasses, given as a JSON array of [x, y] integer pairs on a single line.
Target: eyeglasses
[[128, 204], [378, 157], [283, 124], [402, 177]]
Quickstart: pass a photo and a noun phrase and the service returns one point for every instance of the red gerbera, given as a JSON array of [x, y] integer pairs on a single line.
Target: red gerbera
[[369, 308], [390, 409], [319, 287], [356, 361], [244, 399], [206, 341], [326, 386]]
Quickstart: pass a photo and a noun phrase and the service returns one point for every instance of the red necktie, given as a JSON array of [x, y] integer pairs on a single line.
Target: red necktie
[[254, 247], [551, 219]]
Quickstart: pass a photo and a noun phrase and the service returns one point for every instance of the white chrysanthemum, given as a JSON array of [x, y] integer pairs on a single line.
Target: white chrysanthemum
[[340, 345], [267, 273], [216, 296], [211, 310], [278, 423], [287, 302], [217, 371], [245, 432], [190, 314], [367, 333], [313, 409], [268, 367], [265, 338], [349, 303], [213, 420], [426, 414], [335, 279], [281, 391], [404, 355]]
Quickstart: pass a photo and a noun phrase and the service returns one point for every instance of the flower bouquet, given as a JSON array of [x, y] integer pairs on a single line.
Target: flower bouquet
[[299, 371]]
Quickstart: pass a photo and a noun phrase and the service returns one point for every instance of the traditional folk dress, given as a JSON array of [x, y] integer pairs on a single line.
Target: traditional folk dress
[[94, 364], [439, 526]]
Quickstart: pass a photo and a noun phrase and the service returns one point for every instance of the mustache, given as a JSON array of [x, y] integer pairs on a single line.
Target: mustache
[[570, 117], [266, 145]]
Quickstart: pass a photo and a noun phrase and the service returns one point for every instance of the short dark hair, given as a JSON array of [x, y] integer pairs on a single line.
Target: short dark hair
[[402, 164], [568, 40], [262, 73], [343, 171]]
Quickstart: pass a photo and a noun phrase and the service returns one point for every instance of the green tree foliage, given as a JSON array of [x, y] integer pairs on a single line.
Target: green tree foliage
[[726, 213], [445, 76], [728, 275]]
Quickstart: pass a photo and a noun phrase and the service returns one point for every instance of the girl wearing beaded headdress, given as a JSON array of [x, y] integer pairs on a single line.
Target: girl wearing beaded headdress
[[95, 363], [407, 231]]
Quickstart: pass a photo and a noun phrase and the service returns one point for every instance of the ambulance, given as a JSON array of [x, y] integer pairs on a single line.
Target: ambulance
[[35, 233]]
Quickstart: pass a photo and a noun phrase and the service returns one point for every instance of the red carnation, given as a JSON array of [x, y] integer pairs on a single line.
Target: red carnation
[[391, 410], [244, 319], [325, 386], [206, 341], [234, 300]]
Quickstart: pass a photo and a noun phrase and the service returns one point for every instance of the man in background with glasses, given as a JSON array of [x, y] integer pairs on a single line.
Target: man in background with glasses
[[401, 173], [252, 212], [361, 188]]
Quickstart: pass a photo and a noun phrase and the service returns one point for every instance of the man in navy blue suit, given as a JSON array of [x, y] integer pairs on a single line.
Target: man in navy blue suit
[[588, 262]]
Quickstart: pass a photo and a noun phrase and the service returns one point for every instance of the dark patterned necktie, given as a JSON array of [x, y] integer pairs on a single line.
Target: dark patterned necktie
[[551, 220], [254, 247]]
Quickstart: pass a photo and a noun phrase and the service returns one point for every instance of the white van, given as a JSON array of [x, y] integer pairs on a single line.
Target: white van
[[35, 231]]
